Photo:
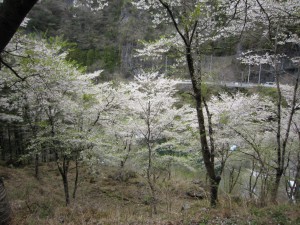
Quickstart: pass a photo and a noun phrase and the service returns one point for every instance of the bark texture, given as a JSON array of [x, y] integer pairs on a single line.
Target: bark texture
[[12, 13], [4, 205]]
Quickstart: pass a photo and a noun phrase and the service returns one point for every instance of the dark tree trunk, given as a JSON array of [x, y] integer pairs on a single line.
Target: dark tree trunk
[[282, 143], [64, 169], [151, 182], [187, 36], [12, 13], [214, 186], [2, 144], [233, 179], [297, 183], [76, 177], [17, 142], [4, 205], [66, 188], [279, 173], [253, 184], [9, 145], [36, 166], [207, 153]]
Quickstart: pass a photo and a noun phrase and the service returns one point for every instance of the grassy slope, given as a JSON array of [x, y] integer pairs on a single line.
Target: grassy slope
[[104, 200]]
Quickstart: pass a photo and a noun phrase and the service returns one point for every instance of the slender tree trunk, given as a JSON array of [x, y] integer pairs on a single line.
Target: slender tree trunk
[[252, 185], [151, 183], [2, 144], [149, 169], [279, 160], [297, 183], [249, 73], [282, 143], [214, 186], [274, 192], [9, 144], [264, 189], [233, 179], [208, 156], [66, 188], [36, 166], [16, 142], [259, 74], [64, 169], [76, 177], [5, 211], [187, 36], [297, 177]]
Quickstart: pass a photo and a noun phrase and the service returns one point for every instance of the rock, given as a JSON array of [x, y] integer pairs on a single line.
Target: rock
[[196, 192], [198, 182], [185, 207], [123, 175]]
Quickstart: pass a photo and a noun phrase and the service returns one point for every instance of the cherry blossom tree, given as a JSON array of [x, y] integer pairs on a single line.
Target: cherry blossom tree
[[194, 24], [243, 125], [48, 89], [94, 5], [69, 114], [275, 20], [146, 121], [250, 122], [55, 100]]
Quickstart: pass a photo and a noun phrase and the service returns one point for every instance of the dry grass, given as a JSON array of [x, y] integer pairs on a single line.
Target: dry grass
[[104, 200]]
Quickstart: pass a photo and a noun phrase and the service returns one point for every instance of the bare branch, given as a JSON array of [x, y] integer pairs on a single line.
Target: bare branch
[[11, 69]]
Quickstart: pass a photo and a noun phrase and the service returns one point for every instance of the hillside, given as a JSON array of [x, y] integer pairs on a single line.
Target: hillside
[[109, 40], [105, 199], [145, 112]]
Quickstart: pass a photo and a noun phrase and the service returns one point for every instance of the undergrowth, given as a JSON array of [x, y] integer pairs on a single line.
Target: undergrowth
[[106, 200]]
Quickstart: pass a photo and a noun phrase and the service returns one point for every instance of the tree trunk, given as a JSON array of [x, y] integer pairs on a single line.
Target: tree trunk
[[259, 74], [297, 183], [233, 179], [2, 144], [151, 182], [9, 145], [36, 166], [249, 73], [208, 156], [64, 169], [214, 186], [5, 210], [76, 177], [12, 13], [187, 36], [252, 185], [276, 185], [66, 188]]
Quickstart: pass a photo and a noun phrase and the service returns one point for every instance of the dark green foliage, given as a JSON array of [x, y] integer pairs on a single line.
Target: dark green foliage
[[90, 57], [107, 59], [272, 93], [47, 17], [104, 40], [224, 46], [171, 151], [78, 55], [110, 57], [278, 214]]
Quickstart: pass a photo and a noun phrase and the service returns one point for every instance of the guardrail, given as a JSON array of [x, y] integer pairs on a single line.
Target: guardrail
[[232, 84]]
